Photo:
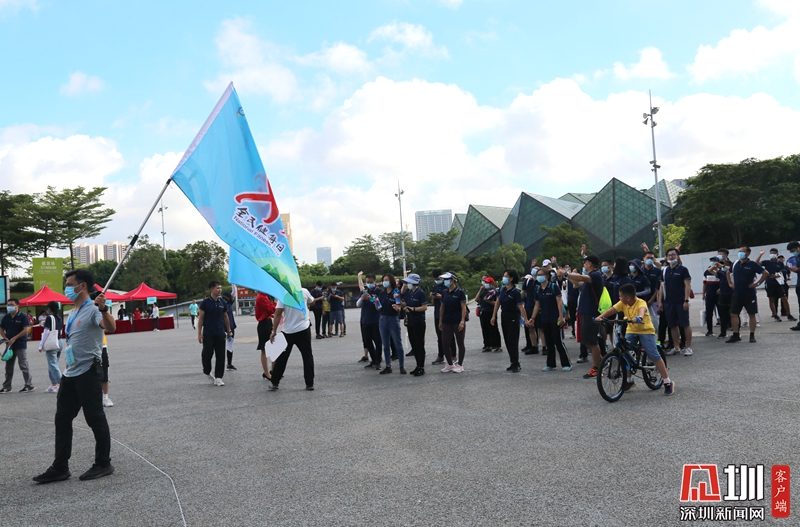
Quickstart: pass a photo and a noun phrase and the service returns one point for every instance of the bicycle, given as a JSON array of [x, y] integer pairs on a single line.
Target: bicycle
[[614, 367]]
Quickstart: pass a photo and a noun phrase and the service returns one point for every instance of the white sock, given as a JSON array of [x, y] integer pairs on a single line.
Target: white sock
[[667, 381]]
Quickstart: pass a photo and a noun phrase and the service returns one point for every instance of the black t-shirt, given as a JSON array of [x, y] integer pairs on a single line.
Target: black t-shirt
[[451, 303], [416, 298], [316, 293], [489, 294], [510, 299], [213, 311], [654, 276], [619, 281], [387, 299], [336, 304], [370, 315], [48, 320], [438, 289]]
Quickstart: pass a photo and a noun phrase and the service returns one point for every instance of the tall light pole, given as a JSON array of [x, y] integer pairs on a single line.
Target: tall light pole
[[399, 197], [656, 166], [163, 230]]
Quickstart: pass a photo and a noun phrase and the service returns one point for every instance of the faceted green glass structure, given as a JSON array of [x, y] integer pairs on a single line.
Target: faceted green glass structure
[[530, 214], [481, 232]]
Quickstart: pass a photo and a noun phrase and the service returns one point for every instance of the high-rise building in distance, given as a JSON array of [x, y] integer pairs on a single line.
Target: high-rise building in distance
[[286, 219], [324, 256], [114, 251], [89, 253], [431, 221]]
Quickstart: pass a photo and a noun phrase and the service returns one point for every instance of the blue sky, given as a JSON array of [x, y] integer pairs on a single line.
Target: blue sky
[[463, 101]]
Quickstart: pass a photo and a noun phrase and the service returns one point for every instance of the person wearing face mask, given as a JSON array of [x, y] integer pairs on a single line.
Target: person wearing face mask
[[653, 275], [452, 322], [509, 303], [775, 281], [479, 302], [674, 301], [721, 267], [793, 264], [742, 279], [389, 324], [370, 320], [52, 322], [590, 282], [710, 294], [15, 327], [82, 382], [491, 334], [572, 304], [436, 300], [316, 307], [529, 299], [639, 280], [415, 304], [549, 304]]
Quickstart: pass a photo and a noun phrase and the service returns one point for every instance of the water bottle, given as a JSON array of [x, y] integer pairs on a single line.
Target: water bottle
[[397, 297], [378, 303]]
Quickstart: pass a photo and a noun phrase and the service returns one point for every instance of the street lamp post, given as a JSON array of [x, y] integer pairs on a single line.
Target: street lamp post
[[656, 166], [399, 197]]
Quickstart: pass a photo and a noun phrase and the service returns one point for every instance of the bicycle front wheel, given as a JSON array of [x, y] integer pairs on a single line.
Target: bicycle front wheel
[[652, 378], [610, 376]]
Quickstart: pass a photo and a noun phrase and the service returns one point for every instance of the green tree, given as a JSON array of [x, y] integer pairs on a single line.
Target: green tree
[[510, 256], [391, 250], [15, 241], [173, 266], [203, 262], [317, 269], [102, 270], [673, 237], [82, 215], [564, 242], [341, 266], [750, 203], [145, 264], [364, 254]]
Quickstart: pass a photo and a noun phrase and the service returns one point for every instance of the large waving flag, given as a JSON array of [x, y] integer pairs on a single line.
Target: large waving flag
[[222, 175]]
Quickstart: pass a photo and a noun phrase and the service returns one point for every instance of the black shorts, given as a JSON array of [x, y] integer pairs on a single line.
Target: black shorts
[[747, 302], [588, 330], [104, 360], [774, 289]]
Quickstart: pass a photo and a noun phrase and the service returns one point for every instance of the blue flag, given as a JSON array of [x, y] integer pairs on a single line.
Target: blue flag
[[222, 175]]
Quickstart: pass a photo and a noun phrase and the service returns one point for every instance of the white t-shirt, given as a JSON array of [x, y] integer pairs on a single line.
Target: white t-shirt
[[294, 320], [154, 313]]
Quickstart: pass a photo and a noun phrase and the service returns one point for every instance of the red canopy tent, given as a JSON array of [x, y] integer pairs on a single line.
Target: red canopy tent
[[43, 296], [114, 297], [143, 292]]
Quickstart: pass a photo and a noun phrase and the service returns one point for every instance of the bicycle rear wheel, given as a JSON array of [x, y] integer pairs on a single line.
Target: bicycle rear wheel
[[652, 378], [610, 376]]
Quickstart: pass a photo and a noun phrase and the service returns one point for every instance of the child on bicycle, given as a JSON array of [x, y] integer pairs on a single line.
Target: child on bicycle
[[640, 331]]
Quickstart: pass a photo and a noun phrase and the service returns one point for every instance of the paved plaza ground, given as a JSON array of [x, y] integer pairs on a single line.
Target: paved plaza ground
[[484, 447]]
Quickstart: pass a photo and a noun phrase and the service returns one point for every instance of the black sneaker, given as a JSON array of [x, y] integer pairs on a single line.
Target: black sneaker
[[97, 472], [497, 350], [410, 354], [363, 359], [320, 337], [372, 365], [515, 368], [52, 474], [402, 371], [309, 388], [272, 387], [386, 370], [752, 338], [5, 390], [231, 367], [710, 334], [777, 319], [27, 389], [734, 338], [420, 372], [526, 348], [628, 385], [437, 362], [486, 350], [791, 318], [795, 328], [414, 371], [722, 336], [582, 360]]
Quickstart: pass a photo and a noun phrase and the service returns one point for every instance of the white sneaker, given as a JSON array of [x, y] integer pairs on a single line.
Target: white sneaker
[[218, 382], [448, 368], [457, 368], [51, 389], [211, 378], [107, 403], [688, 352]]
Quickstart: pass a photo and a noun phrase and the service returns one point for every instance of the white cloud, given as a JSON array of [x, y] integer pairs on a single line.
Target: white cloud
[[411, 37], [451, 4], [746, 52], [80, 83], [14, 5], [251, 63], [651, 65], [340, 58]]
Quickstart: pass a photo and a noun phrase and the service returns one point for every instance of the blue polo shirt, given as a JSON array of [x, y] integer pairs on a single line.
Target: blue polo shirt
[[590, 294], [744, 274], [336, 304], [416, 298], [773, 267], [794, 261], [387, 301], [619, 281], [370, 315], [451, 303], [674, 286], [213, 323], [724, 288], [548, 305], [572, 292], [643, 289], [529, 287], [489, 294], [13, 325], [511, 298], [653, 276]]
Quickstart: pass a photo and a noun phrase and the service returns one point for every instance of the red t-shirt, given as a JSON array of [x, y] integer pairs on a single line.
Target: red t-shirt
[[265, 308]]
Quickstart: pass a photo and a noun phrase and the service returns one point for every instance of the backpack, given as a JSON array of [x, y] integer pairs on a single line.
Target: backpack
[[604, 303]]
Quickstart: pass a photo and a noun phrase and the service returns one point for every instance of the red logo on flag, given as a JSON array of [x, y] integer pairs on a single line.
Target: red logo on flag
[[701, 492], [781, 491], [267, 197]]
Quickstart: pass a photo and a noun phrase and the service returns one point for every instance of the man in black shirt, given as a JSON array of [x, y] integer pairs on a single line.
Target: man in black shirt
[[213, 327]]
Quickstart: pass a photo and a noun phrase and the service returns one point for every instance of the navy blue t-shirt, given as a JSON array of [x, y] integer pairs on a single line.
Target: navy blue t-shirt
[[590, 294], [654, 276], [370, 315], [336, 304], [773, 267], [548, 305], [510, 299], [416, 298], [213, 325], [13, 325], [451, 303], [674, 286], [572, 292], [642, 284], [438, 289], [530, 287], [724, 288], [387, 301], [744, 274], [489, 294], [316, 306], [618, 282]]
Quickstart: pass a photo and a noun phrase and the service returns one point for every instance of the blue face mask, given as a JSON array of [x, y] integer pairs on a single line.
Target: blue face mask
[[11, 309], [438, 282], [795, 254], [447, 283], [773, 256], [604, 269], [386, 284], [742, 255], [70, 293], [672, 262], [487, 286], [649, 261], [541, 279], [583, 271], [370, 286], [632, 268], [505, 280]]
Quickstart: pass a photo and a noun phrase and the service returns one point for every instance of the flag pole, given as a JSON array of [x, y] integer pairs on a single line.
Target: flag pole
[[136, 236]]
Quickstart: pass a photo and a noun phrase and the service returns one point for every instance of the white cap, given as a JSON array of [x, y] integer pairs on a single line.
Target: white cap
[[546, 263]]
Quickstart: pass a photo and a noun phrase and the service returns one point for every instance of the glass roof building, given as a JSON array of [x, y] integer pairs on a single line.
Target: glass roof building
[[617, 219]]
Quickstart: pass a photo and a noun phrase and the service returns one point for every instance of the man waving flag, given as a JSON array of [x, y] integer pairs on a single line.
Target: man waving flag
[[222, 175]]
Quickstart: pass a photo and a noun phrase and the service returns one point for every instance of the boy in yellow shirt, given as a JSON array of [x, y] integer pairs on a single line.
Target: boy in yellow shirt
[[640, 330]]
